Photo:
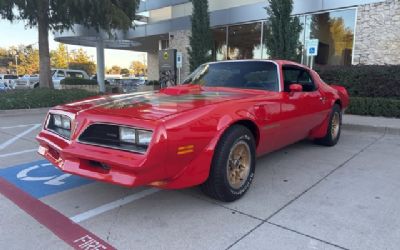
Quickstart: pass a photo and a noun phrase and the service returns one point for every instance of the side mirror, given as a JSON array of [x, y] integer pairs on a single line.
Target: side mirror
[[295, 88]]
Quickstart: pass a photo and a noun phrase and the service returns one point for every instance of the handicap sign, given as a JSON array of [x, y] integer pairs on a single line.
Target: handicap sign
[[312, 47], [41, 178]]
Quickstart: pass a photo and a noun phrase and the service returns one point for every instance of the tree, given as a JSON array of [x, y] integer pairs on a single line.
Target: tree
[[59, 58], [138, 68], [282, 31], [58, 15], [80, 60], [125, 71], [115, 70], [28, 61], [201, 39]]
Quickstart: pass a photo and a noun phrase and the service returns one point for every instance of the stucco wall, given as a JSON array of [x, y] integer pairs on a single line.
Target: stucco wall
[[378, 33]]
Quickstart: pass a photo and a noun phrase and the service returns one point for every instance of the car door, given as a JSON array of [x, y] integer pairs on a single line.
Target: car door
[[300, 111]]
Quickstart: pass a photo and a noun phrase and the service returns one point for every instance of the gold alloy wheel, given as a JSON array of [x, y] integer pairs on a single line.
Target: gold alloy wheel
[[238, 166], [335, 125]]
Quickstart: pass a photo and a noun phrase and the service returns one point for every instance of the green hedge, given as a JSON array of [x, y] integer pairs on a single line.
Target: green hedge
[[365, 80], [77, 81], [40, 98], [371, 106]]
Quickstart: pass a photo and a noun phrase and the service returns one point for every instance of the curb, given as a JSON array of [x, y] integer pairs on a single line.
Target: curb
[[371, 128], [15, 112]]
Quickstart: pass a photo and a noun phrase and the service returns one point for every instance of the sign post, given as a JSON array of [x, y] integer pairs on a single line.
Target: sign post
[[167, 64], [312, 50], [179, 64]]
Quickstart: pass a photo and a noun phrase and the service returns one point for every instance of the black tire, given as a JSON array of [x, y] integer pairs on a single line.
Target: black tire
[[331, 138], [36, 85], [218, 186]]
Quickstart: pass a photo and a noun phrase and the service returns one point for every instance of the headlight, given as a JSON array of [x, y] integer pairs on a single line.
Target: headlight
[[127, 135], [135, 136], [66, 123], [57, 121], [60, 124], [144, 137]]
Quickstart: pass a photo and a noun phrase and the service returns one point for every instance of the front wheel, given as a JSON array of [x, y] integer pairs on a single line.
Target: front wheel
[[233, 165], [334, 129]]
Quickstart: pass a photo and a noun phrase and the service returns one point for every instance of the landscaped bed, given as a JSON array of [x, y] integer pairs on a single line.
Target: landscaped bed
[[40, 98]]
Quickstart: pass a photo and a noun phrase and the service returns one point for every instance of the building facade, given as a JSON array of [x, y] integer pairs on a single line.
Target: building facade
[[349, 31]]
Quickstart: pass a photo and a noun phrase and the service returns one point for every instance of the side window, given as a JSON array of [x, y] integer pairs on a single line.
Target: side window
[[294, 75], [75, 74], [60, 73]]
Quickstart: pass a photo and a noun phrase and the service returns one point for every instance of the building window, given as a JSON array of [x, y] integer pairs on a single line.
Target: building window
[[244, 41], [220, 44], [335, 31], [164, 44]]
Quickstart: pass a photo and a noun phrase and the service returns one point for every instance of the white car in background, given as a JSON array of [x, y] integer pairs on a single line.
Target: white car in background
[[27, 82], [60, 74], [57, 75], [8, 80]]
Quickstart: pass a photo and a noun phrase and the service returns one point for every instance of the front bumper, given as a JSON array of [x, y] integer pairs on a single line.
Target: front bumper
[[103, 164]]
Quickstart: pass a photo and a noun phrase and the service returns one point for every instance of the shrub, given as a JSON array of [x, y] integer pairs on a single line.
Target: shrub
[[40, 98], [365, 80], [78, 81], [374, 107], [153, 83]]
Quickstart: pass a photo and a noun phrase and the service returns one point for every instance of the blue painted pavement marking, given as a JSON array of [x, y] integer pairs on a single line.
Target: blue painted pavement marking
[[41, 178]]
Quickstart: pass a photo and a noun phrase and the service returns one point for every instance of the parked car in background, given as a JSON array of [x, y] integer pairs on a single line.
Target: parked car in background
[[205, 132], [27, 82], [3, 87], [8, 80], [60, 74]]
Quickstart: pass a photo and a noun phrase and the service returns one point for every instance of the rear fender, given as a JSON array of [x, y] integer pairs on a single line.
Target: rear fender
[[344, 96]]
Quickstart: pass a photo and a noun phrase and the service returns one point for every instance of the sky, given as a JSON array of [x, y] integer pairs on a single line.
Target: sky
[[14, 34]]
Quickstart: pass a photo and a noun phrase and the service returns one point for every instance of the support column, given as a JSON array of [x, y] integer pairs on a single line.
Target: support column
[[100, 65]]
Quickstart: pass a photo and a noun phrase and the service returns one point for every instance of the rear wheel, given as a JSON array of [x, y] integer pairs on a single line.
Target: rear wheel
[[233, 165], [334, 129]]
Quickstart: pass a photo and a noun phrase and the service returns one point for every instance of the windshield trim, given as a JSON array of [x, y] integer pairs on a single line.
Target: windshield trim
[[280, 89]]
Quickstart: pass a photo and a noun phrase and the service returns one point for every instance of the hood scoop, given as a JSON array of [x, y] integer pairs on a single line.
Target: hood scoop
[[181, 90]]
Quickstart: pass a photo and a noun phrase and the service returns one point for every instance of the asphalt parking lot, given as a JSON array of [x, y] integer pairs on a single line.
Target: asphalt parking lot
[[303, 197]]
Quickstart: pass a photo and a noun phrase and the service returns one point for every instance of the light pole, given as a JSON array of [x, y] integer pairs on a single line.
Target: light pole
[[16, 63]]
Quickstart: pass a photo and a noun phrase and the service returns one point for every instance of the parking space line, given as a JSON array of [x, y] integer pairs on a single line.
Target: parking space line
[[15, 138], [71, 233], [112, 205], [18, 153], [20, 126]]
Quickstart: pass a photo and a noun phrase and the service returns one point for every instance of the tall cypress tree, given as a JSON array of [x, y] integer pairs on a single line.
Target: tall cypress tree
[[282, 31], [201, 40]]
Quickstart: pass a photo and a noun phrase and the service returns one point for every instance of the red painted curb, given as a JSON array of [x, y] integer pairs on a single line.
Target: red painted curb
[[68, 231]]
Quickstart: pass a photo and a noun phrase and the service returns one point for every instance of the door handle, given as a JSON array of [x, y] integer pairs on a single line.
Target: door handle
[[322, 99]]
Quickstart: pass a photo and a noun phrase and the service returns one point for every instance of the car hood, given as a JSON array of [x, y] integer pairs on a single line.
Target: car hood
[[155, 105]]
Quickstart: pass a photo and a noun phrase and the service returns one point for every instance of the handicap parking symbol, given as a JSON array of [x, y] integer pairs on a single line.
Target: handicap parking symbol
[[41, 178]]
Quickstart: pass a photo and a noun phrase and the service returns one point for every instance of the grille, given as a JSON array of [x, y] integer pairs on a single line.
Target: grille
[[107, 135]]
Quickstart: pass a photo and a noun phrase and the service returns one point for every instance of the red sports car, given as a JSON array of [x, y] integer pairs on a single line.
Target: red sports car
[[207, 132]]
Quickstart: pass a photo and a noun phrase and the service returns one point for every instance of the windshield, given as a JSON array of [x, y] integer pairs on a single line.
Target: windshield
[[240, 74], [10, 77]]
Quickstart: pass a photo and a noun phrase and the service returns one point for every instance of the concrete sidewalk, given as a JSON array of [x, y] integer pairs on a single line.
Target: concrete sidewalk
[[371, 124]]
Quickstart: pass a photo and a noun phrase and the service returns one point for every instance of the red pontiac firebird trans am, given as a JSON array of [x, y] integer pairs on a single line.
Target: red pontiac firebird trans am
[[207, 131]]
